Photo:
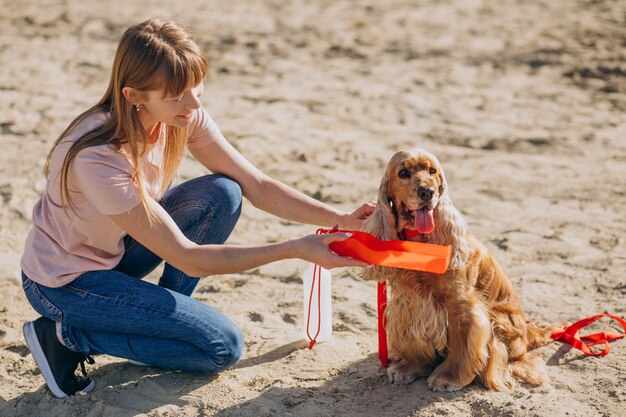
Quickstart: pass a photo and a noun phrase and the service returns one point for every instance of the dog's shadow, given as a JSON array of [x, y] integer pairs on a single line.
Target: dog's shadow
[[360, 388]]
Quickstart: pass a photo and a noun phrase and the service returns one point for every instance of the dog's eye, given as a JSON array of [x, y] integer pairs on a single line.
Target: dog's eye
[[432, 171], [404, 173]]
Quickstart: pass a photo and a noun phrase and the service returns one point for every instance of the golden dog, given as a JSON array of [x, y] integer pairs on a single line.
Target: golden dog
[[464, 324]]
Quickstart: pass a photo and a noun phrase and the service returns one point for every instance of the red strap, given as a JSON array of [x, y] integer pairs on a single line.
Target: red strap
[[570, 335], [409, 233], [317, 276], [383, 354]]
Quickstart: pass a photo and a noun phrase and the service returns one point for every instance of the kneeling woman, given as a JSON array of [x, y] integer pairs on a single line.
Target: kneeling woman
[[107, 218]]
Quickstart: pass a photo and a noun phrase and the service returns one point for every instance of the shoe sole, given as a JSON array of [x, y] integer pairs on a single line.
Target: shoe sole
[[32, 341]]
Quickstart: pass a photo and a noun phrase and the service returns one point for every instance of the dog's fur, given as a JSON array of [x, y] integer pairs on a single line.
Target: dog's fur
[[464, 324]]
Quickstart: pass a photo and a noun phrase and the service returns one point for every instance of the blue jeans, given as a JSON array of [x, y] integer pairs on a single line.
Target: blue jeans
[[116, 313]]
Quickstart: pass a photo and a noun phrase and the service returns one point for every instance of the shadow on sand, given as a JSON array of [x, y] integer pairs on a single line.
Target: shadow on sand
[[122, 390], [360, 388]]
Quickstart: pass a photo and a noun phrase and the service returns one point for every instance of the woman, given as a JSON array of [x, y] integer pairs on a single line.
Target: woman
[[106, 219]]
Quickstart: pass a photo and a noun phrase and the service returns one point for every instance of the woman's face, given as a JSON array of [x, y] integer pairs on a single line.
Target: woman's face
[[173, 111]]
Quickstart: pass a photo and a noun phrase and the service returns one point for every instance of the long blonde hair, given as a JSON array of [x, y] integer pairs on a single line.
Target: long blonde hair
[[151, 56]]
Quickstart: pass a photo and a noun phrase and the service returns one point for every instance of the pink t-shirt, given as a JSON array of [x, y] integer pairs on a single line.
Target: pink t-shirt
[[63, 244]]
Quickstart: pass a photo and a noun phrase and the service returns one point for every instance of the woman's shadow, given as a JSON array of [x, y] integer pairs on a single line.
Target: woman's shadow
[[121, 390]]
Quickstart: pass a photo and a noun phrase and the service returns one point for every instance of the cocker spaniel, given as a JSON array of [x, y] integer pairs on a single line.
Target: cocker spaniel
[[467, 323]]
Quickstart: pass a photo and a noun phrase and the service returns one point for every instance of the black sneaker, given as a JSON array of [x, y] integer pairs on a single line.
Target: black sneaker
[[56, 362]]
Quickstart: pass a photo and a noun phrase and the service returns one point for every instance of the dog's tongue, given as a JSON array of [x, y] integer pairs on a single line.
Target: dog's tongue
[[424, 222]]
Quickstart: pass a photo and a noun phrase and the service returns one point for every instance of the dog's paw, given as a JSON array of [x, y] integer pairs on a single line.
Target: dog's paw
[[441, 383], [399, 376], [444, 381], [403, 372]]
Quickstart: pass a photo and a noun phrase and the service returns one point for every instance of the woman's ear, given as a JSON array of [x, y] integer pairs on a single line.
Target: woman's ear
[[133, 95]]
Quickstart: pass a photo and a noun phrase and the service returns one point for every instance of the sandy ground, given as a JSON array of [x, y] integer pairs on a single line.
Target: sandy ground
[[523, 101]]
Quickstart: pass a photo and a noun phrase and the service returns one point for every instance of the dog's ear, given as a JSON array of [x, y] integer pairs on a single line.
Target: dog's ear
[[382, 223], [383, 192], [443, 183]]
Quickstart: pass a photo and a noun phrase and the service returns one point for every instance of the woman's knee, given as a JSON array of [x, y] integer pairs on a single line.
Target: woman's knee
[[233, 347], [214, 190], [227, 196], [229, 353], [224, 205], [206, 208]]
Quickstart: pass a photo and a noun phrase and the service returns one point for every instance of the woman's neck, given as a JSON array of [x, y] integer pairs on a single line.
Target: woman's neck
[[153, 133], [150, 125]]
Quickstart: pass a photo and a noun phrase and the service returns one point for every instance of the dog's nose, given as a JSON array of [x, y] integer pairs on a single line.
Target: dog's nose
[[425, 193]]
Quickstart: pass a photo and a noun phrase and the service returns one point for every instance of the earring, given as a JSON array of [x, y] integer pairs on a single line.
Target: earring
[[137, 107]]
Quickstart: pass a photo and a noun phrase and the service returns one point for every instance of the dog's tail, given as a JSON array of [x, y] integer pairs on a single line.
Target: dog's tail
[[515, 360], [538, 336], [505, 368], [530, 367]]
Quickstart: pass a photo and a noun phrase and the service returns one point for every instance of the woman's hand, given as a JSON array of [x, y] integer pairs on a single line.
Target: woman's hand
[[314, 248], [354, 220]]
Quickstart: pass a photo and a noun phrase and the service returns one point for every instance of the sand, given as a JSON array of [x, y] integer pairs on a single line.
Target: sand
[[523, 102]]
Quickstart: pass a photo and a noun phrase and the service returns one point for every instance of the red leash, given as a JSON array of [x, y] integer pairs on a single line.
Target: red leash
[[383, 350], [570, 335], [383, 354]]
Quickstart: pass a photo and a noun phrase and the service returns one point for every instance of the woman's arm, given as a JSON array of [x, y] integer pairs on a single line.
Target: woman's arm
[[272, 196], [163, 237]]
